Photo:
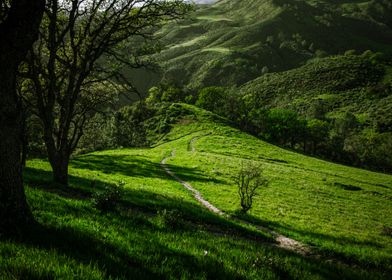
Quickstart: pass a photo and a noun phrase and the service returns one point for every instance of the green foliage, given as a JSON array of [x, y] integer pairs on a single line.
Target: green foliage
[[350, 52], [284, 126], [172, 94], [34, 137], [212, 99], [321, 54], [154, 95], [345, 125], [165, 93], [371, 149], [98, 134], [317, 132], [139, 125], [130, 126], [109, 198], [335, 90], [126, 127], [171, 219]]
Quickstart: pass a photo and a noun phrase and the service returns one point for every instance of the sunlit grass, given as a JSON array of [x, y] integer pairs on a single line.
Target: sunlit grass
[[75, 240], [340, 210]]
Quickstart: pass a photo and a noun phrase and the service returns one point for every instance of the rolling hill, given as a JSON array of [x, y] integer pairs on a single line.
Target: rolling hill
[[232, 42], [158, 229], [358, 84]]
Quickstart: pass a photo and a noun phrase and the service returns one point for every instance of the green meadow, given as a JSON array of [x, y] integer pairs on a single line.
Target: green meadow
[[159, 231]]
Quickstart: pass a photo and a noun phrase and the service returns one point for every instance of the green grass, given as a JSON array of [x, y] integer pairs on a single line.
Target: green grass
[[305, 200], [213, 18], [218, 50]]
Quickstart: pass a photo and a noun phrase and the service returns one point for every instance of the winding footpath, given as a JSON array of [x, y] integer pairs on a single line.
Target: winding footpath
[[196, 194], [282, 241]]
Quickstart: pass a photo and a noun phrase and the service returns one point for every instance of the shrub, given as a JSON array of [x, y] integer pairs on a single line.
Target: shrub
[[350, 52], [108, 199], [171, 219], [249, 180], [387, 231], [321, 54]]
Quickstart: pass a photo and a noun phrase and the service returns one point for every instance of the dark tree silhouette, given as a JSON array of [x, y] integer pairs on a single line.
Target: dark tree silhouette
[[19, 23]]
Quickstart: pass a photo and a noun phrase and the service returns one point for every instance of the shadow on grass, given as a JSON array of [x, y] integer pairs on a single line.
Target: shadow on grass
[[137, 249], [87, 249], [342, 241], [133, 166], [43, 180], [195, 216], [148, 203]]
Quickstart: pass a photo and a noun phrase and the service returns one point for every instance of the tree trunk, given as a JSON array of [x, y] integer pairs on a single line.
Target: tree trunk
[[18, 31], [59, 161], [24, 139], [14, 211], [60, 170]]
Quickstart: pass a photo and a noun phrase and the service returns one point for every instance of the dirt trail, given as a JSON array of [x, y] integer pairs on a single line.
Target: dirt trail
[[197, 195], [191, 144], [282, 241]]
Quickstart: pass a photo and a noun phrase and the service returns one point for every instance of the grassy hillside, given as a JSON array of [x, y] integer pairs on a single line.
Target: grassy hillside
[[159, 231], [232, 42], [308, 199], [359, 84]]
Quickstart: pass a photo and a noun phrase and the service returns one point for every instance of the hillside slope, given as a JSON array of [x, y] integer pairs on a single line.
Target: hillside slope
[[361, 85], [232, 42], [345, 213], [323, 204]]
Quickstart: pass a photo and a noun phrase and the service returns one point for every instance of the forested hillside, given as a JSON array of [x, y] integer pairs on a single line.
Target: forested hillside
[[346, 100], [232, 42]]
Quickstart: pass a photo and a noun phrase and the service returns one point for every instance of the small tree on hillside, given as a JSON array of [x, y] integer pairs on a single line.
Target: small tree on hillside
[[249, 179]]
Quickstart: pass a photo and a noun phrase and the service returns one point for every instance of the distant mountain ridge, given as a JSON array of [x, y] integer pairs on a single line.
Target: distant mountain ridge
[[232, 42]]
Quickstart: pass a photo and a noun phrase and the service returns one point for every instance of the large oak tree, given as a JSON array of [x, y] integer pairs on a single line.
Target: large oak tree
[[81, 44], [19, 23]]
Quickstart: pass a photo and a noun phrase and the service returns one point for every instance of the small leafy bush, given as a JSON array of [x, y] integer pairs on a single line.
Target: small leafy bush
[[249, 179], [171, 219], [387, 231], [108, 199]]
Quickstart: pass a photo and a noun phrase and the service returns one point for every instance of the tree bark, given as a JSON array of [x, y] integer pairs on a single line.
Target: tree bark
[[14, 210], [18, 32], [59, 163], [58, 155]]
